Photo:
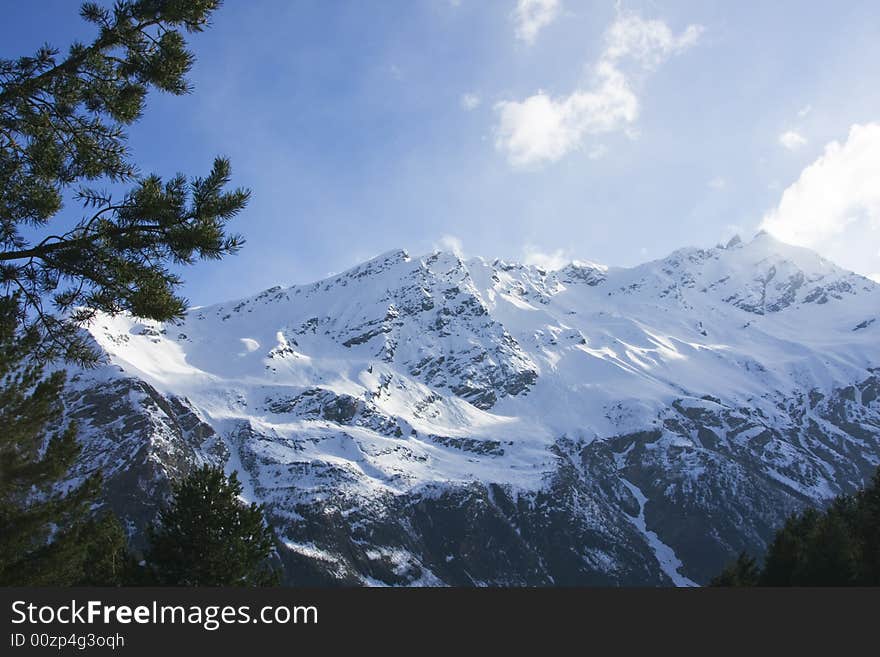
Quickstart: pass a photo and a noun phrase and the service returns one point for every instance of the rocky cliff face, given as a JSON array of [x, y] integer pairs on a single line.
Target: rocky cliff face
[[439, 421]]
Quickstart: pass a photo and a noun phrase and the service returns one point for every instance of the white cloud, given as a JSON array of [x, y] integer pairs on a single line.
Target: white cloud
[[533, 255], [650, 42], [792, 140], [731, 231], [806, 109], [835, 203], [470, 101], [452, 244], [543, 128], [717, 183], [531, 16]]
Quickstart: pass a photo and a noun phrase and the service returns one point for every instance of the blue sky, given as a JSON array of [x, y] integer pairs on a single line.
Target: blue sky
[[536, 130]]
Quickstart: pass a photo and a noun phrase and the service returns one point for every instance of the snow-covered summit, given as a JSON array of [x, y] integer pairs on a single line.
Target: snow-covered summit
[[405, 375]]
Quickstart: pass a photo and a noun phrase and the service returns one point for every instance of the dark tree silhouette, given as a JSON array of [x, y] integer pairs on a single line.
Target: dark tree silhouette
[[62, 122], [47, 536], [836, 547], [206, 536]]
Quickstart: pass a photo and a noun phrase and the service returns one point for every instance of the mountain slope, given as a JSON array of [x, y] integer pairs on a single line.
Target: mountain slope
[[439, 421]]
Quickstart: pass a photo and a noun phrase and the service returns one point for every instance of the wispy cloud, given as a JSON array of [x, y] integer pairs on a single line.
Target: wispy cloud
[[470, 101], [717, 183], [553, 260], [731, 231], [650, 42], [450, 243], [792, 140], [543, 128], [833, 194], [532, 16]]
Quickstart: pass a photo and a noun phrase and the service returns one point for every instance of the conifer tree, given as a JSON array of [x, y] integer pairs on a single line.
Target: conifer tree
[[206, 536], [742, 572], [839, 546], [866, 517], [786, 555], [47, 537], [62, 129]]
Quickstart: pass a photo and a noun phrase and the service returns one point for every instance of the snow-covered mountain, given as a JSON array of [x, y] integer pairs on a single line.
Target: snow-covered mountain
[[433, 420]]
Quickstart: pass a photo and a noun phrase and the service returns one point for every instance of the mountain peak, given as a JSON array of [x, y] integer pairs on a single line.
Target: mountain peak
[[408, 395], [391, 257]]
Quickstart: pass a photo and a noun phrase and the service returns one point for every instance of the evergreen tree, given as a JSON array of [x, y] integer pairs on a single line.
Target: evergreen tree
[[866, 517], [830, 558], [786, 555], [62, 125], [836, 547], [206, 536], [742, 572], [108, 561], [47, 537]]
